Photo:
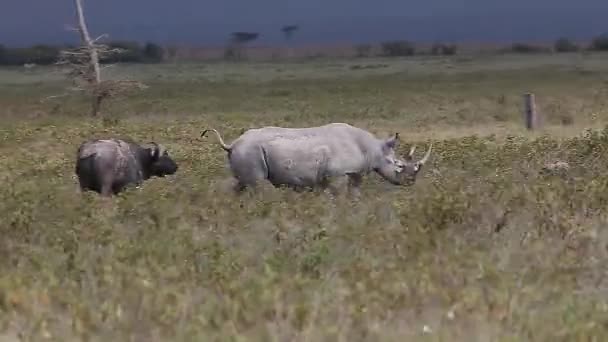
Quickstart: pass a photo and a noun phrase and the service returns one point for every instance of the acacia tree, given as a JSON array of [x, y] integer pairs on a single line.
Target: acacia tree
[[84, 69], [237, 42], [288, 32]]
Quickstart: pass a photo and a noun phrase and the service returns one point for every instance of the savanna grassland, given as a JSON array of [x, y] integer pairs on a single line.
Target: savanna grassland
[[482, 248]]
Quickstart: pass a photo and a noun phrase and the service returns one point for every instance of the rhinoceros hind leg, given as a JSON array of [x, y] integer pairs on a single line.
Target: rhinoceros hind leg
[[238, 187]]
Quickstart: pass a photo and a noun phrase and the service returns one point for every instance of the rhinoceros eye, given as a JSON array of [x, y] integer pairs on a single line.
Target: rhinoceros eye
[[399, 165]]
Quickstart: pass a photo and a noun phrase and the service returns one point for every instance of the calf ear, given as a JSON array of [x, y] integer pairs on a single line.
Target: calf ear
[[390, 143], [154, 151]]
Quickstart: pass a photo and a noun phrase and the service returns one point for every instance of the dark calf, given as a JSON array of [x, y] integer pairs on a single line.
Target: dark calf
[[109, 166]]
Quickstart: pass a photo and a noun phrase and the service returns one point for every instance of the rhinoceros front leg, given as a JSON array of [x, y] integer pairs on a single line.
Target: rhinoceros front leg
[[238, 187], [329, 186], [354, 184]]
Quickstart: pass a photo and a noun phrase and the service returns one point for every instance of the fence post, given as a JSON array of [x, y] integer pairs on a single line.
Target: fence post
[[531, 115]]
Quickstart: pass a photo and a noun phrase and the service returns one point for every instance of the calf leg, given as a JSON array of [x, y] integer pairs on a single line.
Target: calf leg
[[107, 186], [106, 191]]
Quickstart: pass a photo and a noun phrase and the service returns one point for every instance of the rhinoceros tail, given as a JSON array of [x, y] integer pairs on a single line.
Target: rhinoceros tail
[[219, 137]]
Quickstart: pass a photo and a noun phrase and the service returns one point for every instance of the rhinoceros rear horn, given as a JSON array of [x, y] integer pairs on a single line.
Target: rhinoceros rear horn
[[411, 154]]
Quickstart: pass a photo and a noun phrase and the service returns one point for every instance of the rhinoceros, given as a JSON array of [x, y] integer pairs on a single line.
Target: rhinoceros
[[311, 157], [107, 166]]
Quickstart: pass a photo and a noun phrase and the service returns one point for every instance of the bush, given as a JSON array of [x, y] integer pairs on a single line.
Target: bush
[[43, 54], [526, 48], [133, 52], [153, 53], [231, 53], [49, 54], [37, 54], [130, 52], [363, 50], [443, 49], [565, 45], [600, 43], [398, 48]]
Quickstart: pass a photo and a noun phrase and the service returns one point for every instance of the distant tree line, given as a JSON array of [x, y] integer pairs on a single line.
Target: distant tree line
[[134, 52], [599, 43], [131, 52], [396, 48]]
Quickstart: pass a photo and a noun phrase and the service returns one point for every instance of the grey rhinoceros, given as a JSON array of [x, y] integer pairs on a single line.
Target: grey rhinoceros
[[311, 157]]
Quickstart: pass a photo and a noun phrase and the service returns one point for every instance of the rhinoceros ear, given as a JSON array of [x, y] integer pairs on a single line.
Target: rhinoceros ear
[[390, 143]]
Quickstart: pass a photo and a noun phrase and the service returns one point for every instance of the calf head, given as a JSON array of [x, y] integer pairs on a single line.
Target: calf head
[[400, 171], [160, 163]]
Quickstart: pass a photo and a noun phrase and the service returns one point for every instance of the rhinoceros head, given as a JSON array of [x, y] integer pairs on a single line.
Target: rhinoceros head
[[400, 171]]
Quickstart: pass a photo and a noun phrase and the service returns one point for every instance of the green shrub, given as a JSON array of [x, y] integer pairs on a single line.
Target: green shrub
[[527, 48], [128, 52], [398, 48], [363, 50], [565, 45], [37, 54], [2, 54], [444, 49], [153, 53], [600, 43], [48, 54]]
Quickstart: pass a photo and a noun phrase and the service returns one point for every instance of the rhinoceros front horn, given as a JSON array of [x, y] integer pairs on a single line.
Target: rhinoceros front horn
[[427, 155]]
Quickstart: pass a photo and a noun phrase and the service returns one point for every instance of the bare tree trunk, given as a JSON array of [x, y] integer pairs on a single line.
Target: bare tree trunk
[[94, 58], [288, 47], [96, 106], [84, 69]]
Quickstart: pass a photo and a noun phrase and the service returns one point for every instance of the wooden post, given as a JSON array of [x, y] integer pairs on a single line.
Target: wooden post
[[531, 115]]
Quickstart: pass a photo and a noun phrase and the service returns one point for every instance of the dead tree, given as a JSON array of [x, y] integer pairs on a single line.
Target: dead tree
[[288, 32], [237, 41], [83, 64]]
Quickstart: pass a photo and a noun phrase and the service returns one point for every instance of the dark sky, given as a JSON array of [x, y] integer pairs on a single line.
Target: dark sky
[[322, 21]]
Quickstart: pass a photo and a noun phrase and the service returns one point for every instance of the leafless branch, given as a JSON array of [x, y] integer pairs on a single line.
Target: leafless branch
[[71, 28], [105, 35]]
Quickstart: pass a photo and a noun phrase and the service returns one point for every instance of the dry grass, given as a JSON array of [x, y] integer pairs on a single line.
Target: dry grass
[[481, 248]]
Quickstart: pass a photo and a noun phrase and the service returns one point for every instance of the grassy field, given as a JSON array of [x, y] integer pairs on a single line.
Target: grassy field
[[481, 248]]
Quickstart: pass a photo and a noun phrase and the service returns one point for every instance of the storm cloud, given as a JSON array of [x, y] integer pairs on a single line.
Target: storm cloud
[[322, 21]]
